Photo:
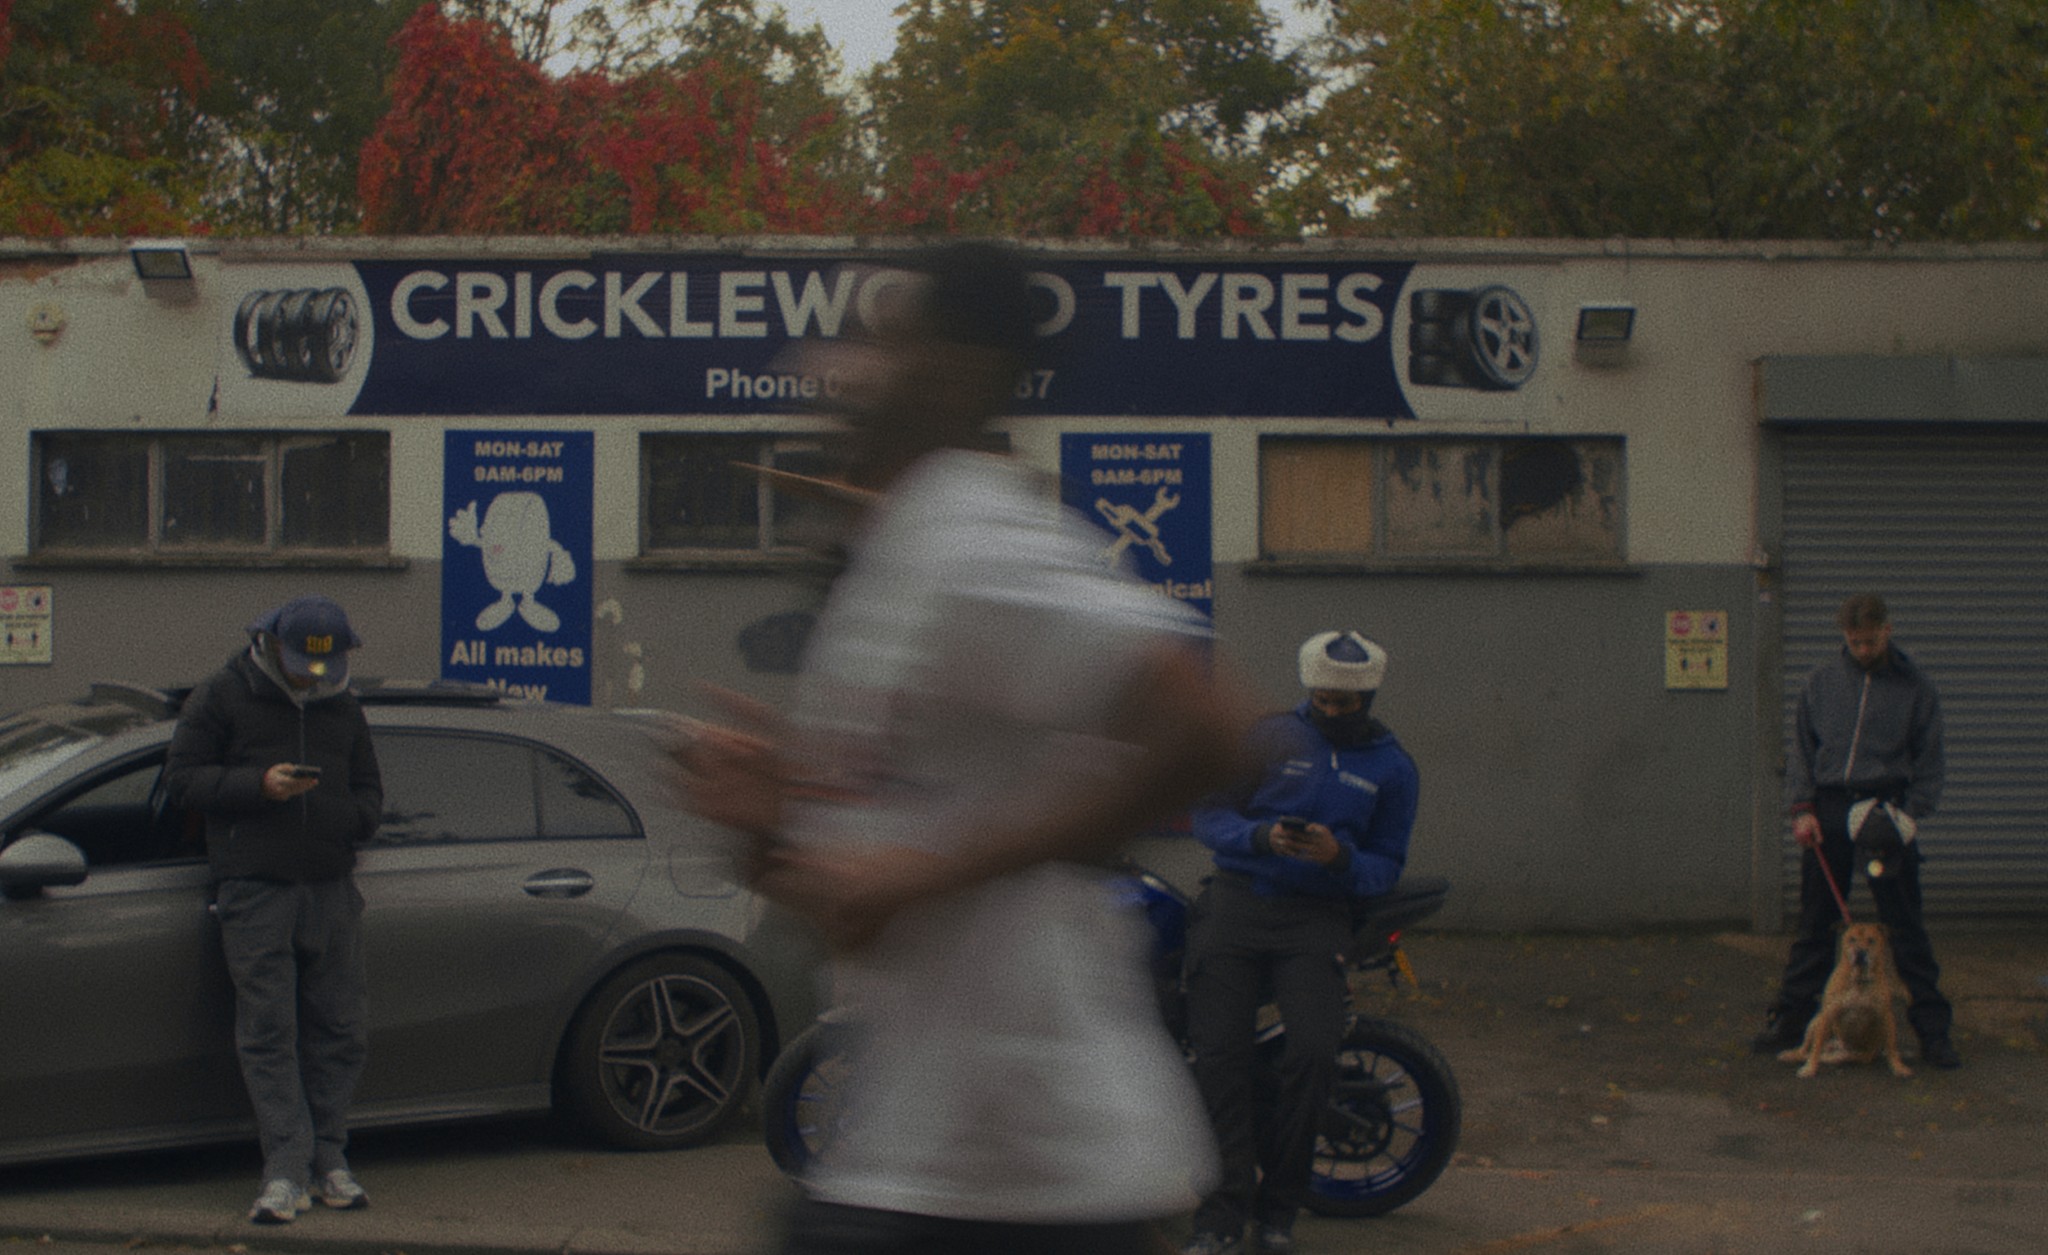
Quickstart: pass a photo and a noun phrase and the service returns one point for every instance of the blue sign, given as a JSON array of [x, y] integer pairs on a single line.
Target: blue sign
[[1149, 492], [516, 561], [629, 334]]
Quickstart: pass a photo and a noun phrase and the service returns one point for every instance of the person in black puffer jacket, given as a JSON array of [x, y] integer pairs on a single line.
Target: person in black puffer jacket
[[275, 752]]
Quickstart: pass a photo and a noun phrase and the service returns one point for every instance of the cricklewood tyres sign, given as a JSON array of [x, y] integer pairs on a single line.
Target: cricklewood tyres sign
[[681, 335]]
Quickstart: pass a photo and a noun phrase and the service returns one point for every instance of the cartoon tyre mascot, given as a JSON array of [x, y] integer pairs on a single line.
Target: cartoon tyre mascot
[[520, 554]]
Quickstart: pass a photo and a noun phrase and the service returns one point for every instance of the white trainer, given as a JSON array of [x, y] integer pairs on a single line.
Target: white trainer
[[279, 1203], [338, 1189]]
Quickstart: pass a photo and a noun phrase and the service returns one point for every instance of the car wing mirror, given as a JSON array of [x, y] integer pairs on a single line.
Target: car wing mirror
[[38, 861]]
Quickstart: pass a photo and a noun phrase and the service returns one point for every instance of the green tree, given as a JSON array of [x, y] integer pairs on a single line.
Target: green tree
[[1078, 117], [297, 87], [1733, 119], [95, 100]]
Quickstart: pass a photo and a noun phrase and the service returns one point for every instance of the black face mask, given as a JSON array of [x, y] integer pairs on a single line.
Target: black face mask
[[1345, 731]]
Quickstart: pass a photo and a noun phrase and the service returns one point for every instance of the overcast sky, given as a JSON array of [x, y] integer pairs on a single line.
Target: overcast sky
[[864, 31]]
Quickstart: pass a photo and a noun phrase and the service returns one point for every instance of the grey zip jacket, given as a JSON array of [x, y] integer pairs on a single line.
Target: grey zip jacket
[[1876, 733]]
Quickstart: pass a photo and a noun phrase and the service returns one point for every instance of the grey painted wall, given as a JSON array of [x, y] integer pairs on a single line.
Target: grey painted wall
[[1563, 785]]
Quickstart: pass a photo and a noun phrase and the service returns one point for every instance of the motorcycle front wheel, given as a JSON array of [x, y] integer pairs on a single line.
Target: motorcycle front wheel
[[1391, 1125], [802, 1095]]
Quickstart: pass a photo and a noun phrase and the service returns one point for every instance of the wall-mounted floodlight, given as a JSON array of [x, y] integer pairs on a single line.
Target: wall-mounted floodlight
[[161, 260], [1603, 334]]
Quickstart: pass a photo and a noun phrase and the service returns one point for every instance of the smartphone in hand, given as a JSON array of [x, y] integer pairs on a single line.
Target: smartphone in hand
[[303, 771]]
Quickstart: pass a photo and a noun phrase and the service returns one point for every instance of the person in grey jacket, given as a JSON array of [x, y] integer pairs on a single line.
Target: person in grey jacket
[[275, 752], [1869, 765]]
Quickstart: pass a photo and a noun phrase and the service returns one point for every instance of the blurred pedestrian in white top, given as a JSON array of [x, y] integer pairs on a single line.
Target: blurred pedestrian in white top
[[985, 713]]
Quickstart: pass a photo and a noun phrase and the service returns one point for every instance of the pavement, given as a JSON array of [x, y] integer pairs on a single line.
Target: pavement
[[1611, 1105]]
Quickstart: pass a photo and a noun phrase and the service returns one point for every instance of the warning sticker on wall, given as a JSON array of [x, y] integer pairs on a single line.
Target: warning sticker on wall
[[1696, 649], [24, 624]]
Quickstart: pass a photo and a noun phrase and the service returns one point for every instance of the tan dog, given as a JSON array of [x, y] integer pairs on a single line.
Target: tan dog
[[1855, 1021]]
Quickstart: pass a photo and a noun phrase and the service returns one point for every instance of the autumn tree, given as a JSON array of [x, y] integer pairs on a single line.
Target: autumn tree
[[1078, 117], [95, 103], [479, 140], [1727, 119]]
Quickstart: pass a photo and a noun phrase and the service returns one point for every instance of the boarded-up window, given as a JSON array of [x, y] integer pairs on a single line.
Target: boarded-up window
[[1529, 501], [1440, 498], [1316, 497], [1561, 498]]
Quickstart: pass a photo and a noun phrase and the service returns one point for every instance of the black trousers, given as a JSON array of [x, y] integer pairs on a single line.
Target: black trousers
[[1898, 908], [821, 1228], [1245, 950]]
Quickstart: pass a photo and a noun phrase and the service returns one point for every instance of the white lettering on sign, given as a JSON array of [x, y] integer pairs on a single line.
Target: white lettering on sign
[[1246, 300], [1131, 475], [622, 305], [1292, 306], [478, 298], [550, 304], [536, 656], [518, 448], [481, 653], [1135, 452], [745, 385], [521, 475], [401, 305]]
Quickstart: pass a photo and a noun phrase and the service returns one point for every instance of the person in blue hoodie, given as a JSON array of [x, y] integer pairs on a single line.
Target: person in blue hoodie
[[1324, 824]]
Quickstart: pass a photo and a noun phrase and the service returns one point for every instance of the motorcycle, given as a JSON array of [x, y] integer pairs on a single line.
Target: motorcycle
[[1394, 1111]]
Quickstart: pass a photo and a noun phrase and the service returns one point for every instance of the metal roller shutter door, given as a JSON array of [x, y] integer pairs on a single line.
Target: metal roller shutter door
[[1951, 528]]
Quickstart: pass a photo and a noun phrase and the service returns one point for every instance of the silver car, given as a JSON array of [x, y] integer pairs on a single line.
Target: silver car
[[544, 929]]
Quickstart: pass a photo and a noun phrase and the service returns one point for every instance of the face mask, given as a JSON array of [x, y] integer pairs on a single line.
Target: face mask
[[1344, 730]]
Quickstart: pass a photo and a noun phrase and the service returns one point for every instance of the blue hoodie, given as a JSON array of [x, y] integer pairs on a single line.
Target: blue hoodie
[[1366, 795]]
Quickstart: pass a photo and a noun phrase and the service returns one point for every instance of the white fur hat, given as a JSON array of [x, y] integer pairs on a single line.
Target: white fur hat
[[1342, 660]]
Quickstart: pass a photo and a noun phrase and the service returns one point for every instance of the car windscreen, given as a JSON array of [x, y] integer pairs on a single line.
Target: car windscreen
[[35, 742]]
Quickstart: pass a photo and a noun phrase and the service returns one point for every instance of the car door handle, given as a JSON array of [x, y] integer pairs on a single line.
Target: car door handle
[[559, 882]]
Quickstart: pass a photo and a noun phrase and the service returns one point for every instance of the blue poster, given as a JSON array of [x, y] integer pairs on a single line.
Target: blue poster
[[516, 561], [1149, 492]]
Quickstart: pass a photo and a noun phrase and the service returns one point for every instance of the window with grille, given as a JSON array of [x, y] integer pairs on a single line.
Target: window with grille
[[698, 495], [220, 493]]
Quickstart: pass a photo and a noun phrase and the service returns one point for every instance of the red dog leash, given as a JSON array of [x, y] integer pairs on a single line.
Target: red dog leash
[[1829, 874]]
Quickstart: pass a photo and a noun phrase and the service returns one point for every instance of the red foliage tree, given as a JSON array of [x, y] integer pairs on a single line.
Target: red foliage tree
[[479, 141]]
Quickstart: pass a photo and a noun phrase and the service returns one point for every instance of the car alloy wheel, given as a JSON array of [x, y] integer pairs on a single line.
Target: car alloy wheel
[[663, 1055]]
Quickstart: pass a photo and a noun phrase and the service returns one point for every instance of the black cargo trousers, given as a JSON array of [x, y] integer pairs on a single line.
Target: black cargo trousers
[[1812, 957], [1246, 949]]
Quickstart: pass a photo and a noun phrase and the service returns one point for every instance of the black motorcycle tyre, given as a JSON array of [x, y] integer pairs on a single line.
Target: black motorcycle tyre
[[799, 1097], [1372, 1154]]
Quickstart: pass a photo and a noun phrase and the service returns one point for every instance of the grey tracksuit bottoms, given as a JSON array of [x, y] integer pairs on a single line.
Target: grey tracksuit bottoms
[[295, 952]]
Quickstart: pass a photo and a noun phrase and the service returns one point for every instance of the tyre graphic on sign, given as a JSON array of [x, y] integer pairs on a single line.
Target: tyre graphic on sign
[[306, 334], [1483, 338], [295, 343]]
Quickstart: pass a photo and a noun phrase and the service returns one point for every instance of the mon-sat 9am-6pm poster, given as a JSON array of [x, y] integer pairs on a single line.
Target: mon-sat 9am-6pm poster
[[516, 561], [1149, 493]]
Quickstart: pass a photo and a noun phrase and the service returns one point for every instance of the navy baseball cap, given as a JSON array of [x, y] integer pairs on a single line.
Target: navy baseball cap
[[313, 637]]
